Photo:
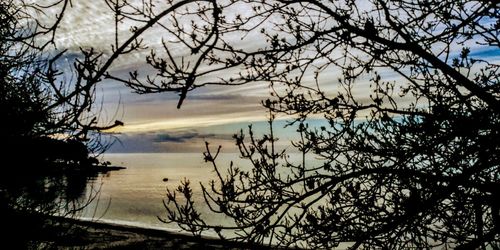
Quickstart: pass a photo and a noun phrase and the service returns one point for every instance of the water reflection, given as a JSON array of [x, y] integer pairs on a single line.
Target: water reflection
[[29, 198]]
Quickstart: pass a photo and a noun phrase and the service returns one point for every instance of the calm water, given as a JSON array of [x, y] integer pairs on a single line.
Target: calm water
[[134, 196]]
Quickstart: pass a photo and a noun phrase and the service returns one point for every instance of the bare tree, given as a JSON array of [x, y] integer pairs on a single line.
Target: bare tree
[[412, 163]]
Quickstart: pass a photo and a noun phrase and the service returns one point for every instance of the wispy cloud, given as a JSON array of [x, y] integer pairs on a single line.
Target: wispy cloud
[[191, 122], [180, 137]]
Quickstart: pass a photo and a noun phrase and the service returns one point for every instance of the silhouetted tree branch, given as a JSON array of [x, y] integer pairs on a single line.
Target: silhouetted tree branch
[[38, 100], [412, 163]]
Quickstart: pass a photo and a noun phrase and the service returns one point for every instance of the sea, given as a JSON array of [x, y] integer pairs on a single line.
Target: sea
[[135, 196]]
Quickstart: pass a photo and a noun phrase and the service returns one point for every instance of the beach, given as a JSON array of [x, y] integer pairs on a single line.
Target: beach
[[98, 235]]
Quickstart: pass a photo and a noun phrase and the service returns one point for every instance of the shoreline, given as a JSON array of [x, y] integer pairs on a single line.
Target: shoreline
[[88, 234]]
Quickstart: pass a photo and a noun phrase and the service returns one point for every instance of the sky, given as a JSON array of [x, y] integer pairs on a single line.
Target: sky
[[152, 121]]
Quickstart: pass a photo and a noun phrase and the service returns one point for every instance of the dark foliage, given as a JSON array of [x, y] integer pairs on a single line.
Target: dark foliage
[[48, 128], [43, 112]]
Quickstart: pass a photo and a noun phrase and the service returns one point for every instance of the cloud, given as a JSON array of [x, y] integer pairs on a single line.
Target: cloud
[[138, 143], [168, 141], [180, 137]]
